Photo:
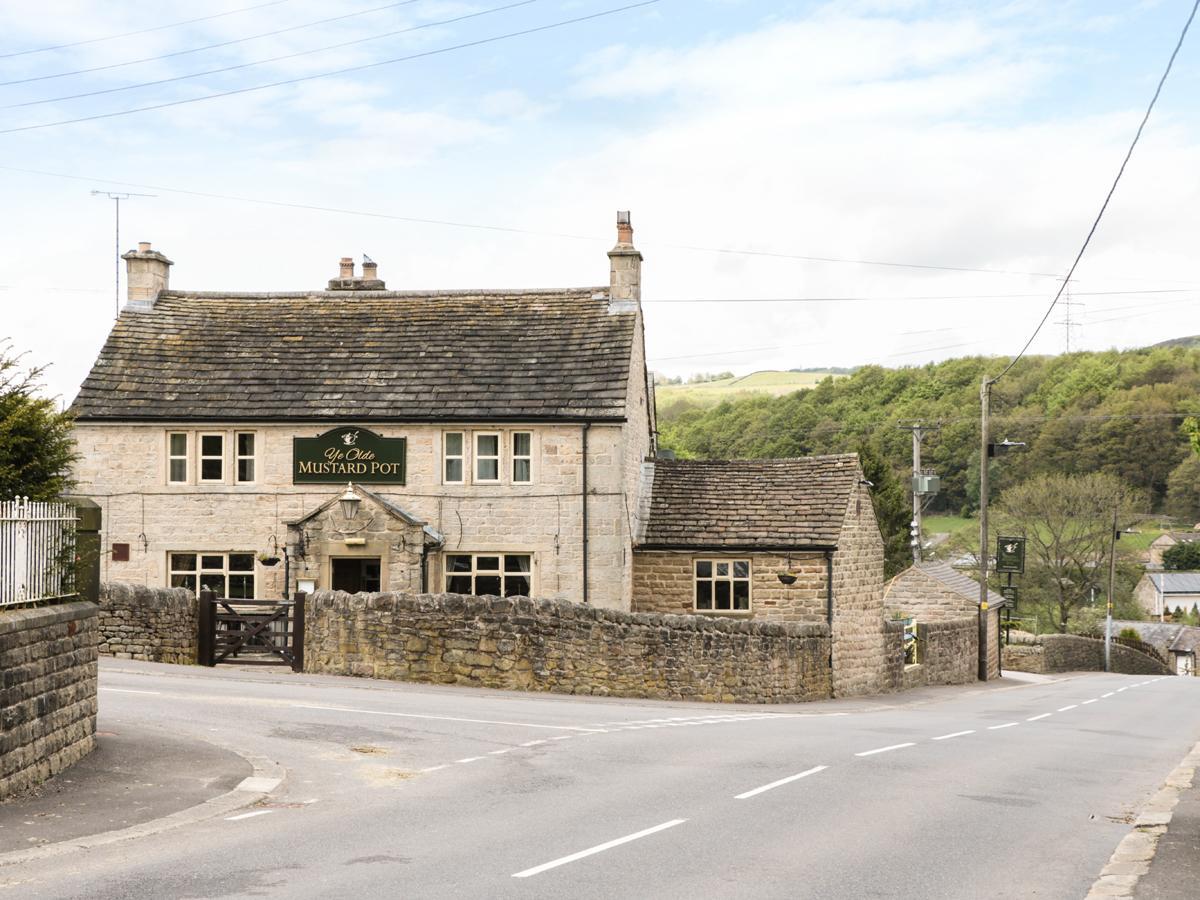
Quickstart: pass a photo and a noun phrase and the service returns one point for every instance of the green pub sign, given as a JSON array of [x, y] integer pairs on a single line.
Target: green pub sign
[[1010, 593], [1010, 555], [348, 454]]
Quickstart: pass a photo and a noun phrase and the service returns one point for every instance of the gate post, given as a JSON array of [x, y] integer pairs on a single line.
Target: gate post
[[298, 632], [206, 623]]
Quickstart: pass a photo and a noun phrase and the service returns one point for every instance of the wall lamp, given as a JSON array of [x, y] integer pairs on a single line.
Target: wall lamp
[[349, 501]]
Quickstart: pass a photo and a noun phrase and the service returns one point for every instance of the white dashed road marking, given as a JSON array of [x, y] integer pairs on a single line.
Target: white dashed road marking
[[249, 815], [782, 781], [1035, 718], [599, 848], [1065, 708], [1093, 700], [1005, 725], [885, 749], [946, 737]]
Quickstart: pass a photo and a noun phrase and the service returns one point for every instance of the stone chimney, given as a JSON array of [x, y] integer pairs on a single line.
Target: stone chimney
[[147, 274], [625, 268], [347, 282]]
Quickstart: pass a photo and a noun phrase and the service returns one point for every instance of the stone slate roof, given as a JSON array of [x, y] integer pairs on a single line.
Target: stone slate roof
[[365, 355], [1157, 634], [1169, 583], [778, 504], [957, 581]]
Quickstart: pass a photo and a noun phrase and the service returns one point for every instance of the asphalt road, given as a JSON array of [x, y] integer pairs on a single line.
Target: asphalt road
[[400, 790]]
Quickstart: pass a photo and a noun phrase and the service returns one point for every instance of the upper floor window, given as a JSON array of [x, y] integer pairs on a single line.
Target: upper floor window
[[722, 585], [522, 457], [487, 456], [453, 455], [245, 457], [212, 457], [177, 457]]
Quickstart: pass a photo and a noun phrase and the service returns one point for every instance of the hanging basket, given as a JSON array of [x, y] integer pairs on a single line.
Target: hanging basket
[[268, 560]]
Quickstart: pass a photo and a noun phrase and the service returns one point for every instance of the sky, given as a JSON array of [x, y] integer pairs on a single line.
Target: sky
[[967, 145]]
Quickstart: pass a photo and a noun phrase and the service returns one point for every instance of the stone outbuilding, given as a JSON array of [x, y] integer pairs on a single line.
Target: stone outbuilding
[[1166, 541], [938, 592], [787, 540]]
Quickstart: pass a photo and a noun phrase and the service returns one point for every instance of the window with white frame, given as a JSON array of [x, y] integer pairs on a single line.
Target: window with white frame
[[212, 457], [522, 457], [177, 457], [244, 461], [487, 456], [228, 575], [722, 585], [499, 574], [452, 454]]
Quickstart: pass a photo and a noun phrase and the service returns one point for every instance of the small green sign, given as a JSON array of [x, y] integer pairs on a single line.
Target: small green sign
[[1010, 555], [348, 454], [1010, 593]]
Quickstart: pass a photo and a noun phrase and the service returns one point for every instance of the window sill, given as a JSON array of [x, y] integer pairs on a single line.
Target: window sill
[[725, 613]]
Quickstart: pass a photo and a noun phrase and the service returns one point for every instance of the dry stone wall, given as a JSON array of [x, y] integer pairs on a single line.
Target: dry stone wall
[[947, 653], [153, 624], [1076, 653], [47, 692], [551, 645]]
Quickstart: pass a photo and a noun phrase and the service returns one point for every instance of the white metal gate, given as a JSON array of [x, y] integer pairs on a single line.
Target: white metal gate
[[37, 550]]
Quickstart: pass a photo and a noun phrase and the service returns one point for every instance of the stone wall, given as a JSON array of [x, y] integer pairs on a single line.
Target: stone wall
[[47, 692], [663, 582], [551, 645], [154, 624], [947, 653], [860, 649], [1075, 653]]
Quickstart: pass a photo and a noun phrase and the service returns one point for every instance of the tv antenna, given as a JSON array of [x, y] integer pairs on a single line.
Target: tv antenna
[[118, 196]]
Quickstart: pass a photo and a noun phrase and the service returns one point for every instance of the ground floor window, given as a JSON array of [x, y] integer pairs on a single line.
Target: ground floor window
[[500, 574], [723, 585], [229, 575]]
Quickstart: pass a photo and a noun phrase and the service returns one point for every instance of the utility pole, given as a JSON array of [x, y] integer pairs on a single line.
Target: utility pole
[[985, 400], [918, 434], [118, 196], [1112, 577]]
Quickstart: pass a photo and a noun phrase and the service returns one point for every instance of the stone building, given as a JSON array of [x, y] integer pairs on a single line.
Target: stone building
[[470, 442], [937, 592], [1161, 593]]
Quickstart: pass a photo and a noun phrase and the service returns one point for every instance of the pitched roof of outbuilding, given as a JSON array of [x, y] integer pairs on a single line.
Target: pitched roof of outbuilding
[[748, 503], [950, 577], [550, 354]]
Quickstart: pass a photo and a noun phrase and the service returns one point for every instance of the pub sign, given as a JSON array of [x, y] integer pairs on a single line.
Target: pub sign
[[348, 454], [1010, 555]]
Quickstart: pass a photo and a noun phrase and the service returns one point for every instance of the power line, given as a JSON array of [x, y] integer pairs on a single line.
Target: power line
[[113, 37], [211, 47], [1112, 190], [344, 71], [286, 56], [908, 298]]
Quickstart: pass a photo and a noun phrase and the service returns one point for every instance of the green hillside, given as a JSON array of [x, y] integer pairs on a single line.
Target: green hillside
[[767, 382]]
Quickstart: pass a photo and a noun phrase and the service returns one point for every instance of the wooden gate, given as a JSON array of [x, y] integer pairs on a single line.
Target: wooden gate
[[251, 632]]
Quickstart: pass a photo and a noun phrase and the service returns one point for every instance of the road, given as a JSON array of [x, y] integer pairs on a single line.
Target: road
[[410, 790]]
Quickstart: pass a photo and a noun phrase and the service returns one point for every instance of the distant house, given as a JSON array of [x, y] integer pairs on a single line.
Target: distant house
[[1166, 541], [1179, 644], [937, 592], [1162, 592]]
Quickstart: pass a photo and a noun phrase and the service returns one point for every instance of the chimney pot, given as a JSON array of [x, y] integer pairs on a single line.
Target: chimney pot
[[346, 267], [370, 270], [143, 246], [625, 267]]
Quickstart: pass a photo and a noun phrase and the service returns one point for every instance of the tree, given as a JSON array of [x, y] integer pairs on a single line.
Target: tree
[[1183, 490], [1183, 557], [1068, 525], [36, 449], [892, 510]]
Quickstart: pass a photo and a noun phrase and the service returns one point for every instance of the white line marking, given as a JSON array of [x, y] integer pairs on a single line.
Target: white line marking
[[498, 752], [1005, 725], [1123, 688], [1109, 694], [258, 784], [946, 737], [1086, 702], [533, 743], [249, 815], [885, 749], [562, 737], [129, 691], [435, 768], [781, 781], [599, 848], [469, 759], [376, 712], [1065, 708], [1035, 718]]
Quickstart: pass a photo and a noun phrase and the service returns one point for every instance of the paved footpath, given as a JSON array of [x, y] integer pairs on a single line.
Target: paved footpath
[[998, 791]]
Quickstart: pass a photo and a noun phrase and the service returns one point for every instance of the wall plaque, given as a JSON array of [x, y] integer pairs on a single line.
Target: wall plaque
[[346, 454]]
